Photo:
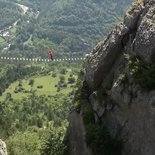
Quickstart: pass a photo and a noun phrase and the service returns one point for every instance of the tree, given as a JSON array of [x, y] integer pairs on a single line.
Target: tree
[[62, 79], [31, 82], [63, 71], [8, 96], [71, 80], [27, 143], [54, 145]]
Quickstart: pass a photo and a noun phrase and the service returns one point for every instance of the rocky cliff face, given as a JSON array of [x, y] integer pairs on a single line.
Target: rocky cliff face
[[120, 73], [3, 150]]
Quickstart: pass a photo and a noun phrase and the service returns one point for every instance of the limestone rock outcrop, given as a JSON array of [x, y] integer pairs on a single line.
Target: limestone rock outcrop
[[143, 44], [129, 109], [77, 136], [3, 150]]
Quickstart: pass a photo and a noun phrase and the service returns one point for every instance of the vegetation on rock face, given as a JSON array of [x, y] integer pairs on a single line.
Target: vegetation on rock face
[[97, 135], [143, 73], [81, 94], [100, 141]]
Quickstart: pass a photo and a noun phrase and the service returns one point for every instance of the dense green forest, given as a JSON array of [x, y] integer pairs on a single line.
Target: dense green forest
[[75, 25], [9, 13], [65, 25], [31, 115]]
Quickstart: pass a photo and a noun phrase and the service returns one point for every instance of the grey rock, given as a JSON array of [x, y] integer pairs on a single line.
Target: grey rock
[[145, 37], [77, 133], [104, 56], [106, 53], [138, 132], [3, 150], [131, 114], [130, 18], [98, 107]]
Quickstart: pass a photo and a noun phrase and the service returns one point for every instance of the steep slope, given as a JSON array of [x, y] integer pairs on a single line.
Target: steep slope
[[119, 87]]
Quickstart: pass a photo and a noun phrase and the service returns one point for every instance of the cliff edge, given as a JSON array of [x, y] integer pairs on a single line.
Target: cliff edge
[[120, 79]]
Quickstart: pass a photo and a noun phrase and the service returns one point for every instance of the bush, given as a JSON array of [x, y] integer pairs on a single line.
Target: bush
[[40, 86], [97, 136], [31, 82], [71, 80], [54, 75], [62, 79], [58, 89], [71, 75], [63, 71], [15, 91], [20, 89], [26, 91], [64, 85], [20, 84], [8, 96], [142, 73]]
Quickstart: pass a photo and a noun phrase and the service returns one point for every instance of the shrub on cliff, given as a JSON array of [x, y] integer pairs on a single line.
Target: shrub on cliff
[[142, 73]]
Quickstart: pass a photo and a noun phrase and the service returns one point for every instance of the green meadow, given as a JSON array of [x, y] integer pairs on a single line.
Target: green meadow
[[2, 40], [42, 85]]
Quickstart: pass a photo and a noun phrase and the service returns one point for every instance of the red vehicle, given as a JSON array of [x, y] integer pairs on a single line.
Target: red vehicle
[[50, 54]]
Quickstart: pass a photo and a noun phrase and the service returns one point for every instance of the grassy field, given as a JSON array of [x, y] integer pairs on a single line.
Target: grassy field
[[48, 84], [2, 40], [13, 30]]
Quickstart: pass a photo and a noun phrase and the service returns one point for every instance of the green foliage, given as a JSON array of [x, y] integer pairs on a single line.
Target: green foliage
[[71, 80], [9, 14], [54, 74], [40, 86], [123, 78], [25, 123], [54, 145], [31, 82], [24, 143], [142, 73], [62, 79], [97, 136], [63, 71], [40, 113], [10, 73], [99, 140], [81, 94]]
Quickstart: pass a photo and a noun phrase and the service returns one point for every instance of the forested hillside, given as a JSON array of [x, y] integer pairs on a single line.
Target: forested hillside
[[9, 13], [69, 25]]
